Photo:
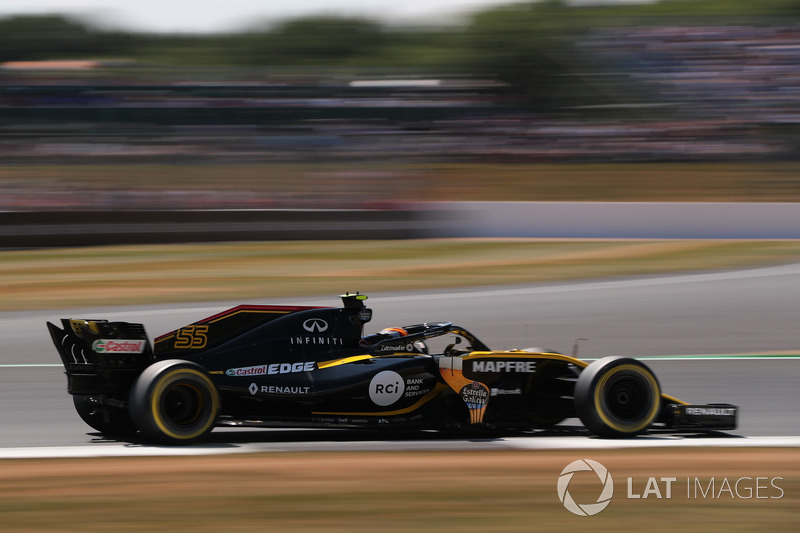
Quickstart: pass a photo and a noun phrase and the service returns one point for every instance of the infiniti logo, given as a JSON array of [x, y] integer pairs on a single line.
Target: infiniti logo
[[315, 325]]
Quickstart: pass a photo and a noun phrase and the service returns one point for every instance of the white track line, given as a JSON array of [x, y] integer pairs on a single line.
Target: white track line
[[652, 441], [526, 443]]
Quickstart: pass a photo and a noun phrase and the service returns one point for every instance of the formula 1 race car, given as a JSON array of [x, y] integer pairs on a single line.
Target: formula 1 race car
[[268, 366]]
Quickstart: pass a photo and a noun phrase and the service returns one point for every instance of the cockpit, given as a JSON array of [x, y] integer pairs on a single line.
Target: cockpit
[[429, 338]]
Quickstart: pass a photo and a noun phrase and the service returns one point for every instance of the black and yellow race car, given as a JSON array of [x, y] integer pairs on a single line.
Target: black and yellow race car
[[268, 366]]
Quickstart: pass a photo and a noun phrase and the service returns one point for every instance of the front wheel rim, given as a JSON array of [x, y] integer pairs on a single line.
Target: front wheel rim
[[626, 398]]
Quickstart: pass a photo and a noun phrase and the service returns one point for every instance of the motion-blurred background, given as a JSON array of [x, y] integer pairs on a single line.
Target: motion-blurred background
[[551, 100]]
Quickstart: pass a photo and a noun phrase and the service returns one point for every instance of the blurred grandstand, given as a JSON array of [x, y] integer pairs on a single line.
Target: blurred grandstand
[[703, 93]]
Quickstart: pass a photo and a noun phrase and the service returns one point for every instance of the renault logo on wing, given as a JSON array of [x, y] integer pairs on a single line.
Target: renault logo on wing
[[315, 325]]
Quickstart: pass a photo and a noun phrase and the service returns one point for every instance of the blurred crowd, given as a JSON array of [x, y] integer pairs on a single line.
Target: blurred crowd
[[728, 72], [702, 94]]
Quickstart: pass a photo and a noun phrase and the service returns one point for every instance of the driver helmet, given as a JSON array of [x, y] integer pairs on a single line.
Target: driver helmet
[[394, 332]]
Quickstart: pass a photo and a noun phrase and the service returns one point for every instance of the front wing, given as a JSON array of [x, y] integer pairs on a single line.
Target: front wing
[[685, 417]]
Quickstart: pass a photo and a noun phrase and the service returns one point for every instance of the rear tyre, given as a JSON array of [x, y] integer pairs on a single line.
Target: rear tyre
[[174, 402], [617, 397], [112, 421]]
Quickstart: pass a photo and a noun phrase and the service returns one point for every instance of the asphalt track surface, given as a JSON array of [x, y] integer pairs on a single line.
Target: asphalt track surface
[[659, 318]]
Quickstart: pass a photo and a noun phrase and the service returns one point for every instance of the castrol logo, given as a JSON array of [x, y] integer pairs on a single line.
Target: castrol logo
[[118, 346]]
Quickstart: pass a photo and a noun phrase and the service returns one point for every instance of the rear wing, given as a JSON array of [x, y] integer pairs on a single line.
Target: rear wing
[[101, 357]]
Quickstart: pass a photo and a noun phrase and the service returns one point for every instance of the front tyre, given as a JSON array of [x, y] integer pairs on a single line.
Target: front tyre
[[174, 402], [617, 397]]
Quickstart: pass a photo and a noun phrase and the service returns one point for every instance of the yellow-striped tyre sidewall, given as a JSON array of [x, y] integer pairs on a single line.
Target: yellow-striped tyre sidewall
[[617, 397], [190, 378], [608, 419], [175, 402]]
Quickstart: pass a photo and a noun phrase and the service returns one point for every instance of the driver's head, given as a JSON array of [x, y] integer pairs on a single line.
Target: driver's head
[[394, 332]]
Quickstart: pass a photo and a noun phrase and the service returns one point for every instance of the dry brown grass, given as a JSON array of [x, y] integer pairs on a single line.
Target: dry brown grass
[[115, 275], [687, 182], [417, 491]]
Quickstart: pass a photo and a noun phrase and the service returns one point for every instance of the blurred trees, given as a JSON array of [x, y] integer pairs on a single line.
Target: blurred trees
[[529, 46], [317, 41], [30, 38]]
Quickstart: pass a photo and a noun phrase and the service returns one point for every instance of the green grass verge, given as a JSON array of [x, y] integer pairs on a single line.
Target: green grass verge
[[117, 275]]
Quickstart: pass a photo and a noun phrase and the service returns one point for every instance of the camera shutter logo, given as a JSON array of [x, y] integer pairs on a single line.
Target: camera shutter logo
[[315, 325], [588, 509]]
